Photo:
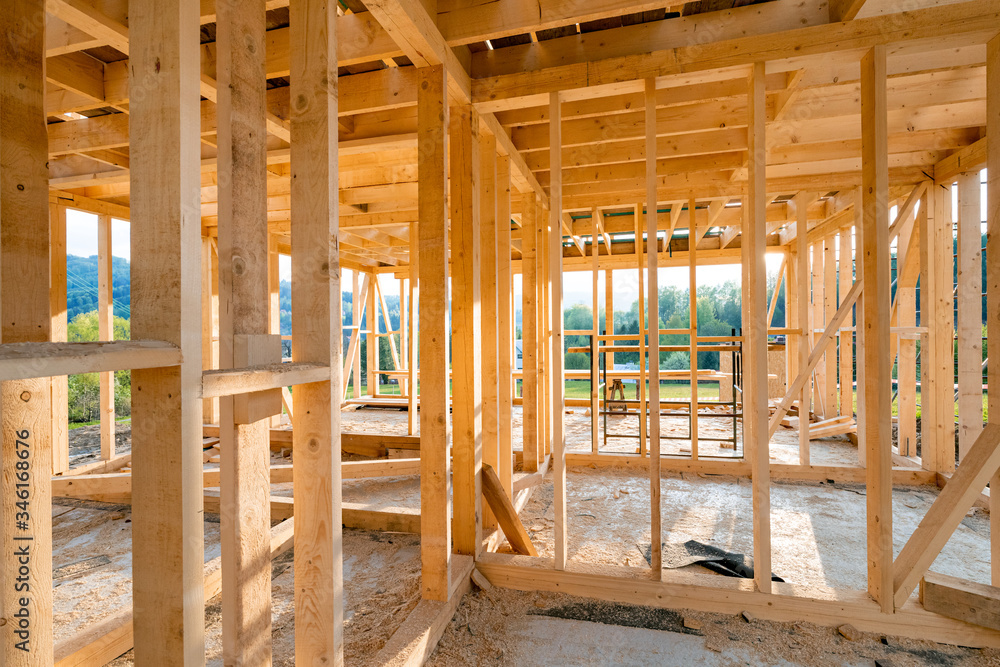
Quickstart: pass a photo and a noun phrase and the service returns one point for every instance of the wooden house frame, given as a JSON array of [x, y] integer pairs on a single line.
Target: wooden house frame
[[452, 145]]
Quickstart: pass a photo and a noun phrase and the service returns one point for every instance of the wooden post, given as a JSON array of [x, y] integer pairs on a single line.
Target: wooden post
[[693, 315], [356, 306], [877, 389], [818, 321], [544, 335], [505, 308], [556, 356], [804, 321], [105, 331], [165, 173], [940, 443], [609, 315], [595, 359], [970, 311], [412, 416], [404, 348], [755, 428], [208, 357], [274, 303], [859, 330], [908, 263], [26, 502], [652, 267], [466, 332], [829, 309], [846, 279], [993, 275], [316, 333], [435, 461], [489, 315], [372, 347], [529, 335], [244, 293], [57, 304]]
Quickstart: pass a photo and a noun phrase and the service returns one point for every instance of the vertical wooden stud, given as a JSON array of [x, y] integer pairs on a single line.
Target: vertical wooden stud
[[412, 415], [505, 308], [755, 414], [846, 280], [489, 315], [467, 392], [993, 274], [830, 309], [693, 315], [595, 358], [558, 386], [970, 311], [529, 334], [316, 333], [57, 301], [26, 453], [435, 459], [167, 499], [877, 389], [805, 318], [652, 268], [245, 296], [105, 331]]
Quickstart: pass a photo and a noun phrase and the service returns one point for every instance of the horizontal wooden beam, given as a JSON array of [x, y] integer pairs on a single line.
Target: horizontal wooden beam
[[229, 382], [710, 593], [969, 22], [20, 361]]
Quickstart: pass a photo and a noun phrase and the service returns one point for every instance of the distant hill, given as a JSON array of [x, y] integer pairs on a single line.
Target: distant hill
[[81, 281]]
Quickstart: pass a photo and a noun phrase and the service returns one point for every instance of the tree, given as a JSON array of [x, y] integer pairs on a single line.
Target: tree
[[84, 390]]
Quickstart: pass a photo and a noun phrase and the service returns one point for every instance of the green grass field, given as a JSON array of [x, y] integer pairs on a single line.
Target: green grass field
[[581, 389]]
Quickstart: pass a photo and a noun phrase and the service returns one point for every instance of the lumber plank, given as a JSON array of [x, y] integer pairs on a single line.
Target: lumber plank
[[489, 306], [317, 336], [506, 515], [505, 292], [466, 331], [755, 322], [708, 593], [435, 426], [876, 390], [105, 331], [233, 381], [961, 599], [653, 309], [168, 527], [57, 301], [26, 452], [556, 348], [993, 273], [244, 324], [969, 320], [529, 335], [24, 360], [980, 464]]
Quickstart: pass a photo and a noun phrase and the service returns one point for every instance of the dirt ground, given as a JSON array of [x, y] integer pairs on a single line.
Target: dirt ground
[[502, 627], [817, 534]]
